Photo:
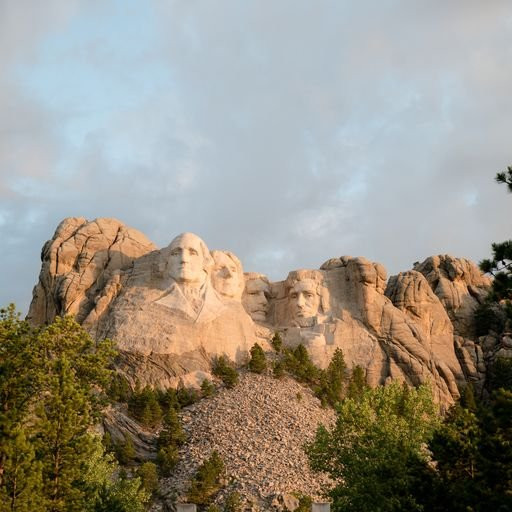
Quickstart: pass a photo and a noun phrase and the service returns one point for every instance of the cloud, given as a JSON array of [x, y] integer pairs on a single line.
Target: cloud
[[285, 131]]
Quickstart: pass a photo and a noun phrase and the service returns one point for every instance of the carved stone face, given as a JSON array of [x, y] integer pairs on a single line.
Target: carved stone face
[[304, 299], [256, 296], [227, 276], [186, 261]]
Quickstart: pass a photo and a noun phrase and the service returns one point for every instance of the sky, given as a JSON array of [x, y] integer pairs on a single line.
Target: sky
[[288, 132]]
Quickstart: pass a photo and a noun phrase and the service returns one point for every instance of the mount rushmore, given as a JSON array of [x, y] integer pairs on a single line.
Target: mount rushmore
[[171, 310]]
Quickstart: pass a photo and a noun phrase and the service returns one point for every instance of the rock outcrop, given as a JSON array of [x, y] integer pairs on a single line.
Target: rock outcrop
[[171, 310], [81, 265]]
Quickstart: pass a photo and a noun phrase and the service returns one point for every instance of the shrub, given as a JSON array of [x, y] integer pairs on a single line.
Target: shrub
[[258, 361], [298, 363], [278, 369], [305, 502], [187, 396], [357, 384], [167, 458], [207, 480], [145, 408], [233, 502], [330, 390], [148, 476], [125, 451], [170, 439], [223, 369], [277, 342], [207, 388], [120, 390]]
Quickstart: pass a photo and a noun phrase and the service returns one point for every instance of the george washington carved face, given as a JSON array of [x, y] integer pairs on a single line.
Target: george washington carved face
[[188, 262]]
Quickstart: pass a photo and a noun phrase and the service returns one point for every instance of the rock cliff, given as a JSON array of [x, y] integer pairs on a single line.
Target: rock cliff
[[171, 310]]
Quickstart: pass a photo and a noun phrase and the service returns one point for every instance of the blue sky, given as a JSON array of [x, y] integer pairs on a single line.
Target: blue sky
[[288, 132]]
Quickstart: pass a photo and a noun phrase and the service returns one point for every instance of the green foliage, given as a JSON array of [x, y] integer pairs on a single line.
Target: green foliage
[[105, 489], [278, 369], [170, 439], [207, 480], [120, 390], [258, 361], [51, 394], [330, 390], [298, 363], [499, 374], [305, 502], [148, 475], [233, 502], [505, 177], [144, 406], [207, 388], [74, 370], [187, 396], [222, 368], [168, 399], [368, 452], [498, 308], [277, 342], [21, 488], [357, 384], [491, 317], [473, 452], [125, 451], [167, 458]]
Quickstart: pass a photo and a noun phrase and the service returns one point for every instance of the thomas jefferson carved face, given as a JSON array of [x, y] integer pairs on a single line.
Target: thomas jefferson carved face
[[304, 299], [227, 276], [186, 259], [255, 298]]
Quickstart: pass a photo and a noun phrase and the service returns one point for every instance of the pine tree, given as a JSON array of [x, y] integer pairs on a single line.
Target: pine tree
[[75, 369], [170, 439], [332, 379], [223, 369], [207, 480], [20, 382], [21, 489], [357, 384], [207, 388], [277, 342], [258, 361]]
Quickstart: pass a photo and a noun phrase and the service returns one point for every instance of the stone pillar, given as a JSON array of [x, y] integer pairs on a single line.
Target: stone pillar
[[185, 507], [321, 507]]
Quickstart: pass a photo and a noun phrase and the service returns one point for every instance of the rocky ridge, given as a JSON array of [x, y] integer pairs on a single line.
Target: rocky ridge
[[259, 428], [415, 327]]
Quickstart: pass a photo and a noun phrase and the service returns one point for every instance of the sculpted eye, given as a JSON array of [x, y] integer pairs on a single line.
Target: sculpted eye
[[293, 296], [193, 251]]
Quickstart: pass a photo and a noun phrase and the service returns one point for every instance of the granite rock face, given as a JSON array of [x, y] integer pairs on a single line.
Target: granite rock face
[[82, 263], [172, 310]]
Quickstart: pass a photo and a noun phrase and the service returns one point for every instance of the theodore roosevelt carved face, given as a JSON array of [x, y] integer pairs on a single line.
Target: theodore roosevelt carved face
[[255, 297]]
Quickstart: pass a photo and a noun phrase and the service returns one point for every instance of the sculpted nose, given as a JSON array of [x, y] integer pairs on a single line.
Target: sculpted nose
[[300, 301]]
